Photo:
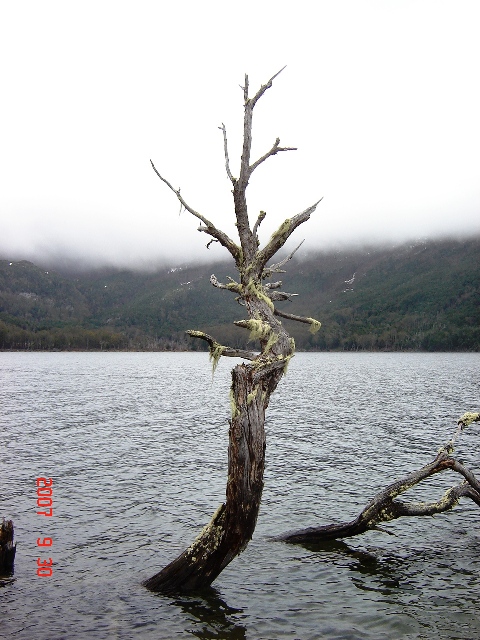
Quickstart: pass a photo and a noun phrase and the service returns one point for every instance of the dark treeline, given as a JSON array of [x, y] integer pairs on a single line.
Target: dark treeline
[[417, 297], [79, 339]]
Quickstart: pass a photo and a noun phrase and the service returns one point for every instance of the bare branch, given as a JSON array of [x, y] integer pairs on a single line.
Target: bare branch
[[248, 241], [279, 296], [275, 268], [273, 151], [462, 423], [314, 324], [281, 235], [231, 286], [245, 89], [217, 350], [468, 492], [291, 316], [227, 161], [449, 500], [467, 474], [8, 547], [262, 89], [209, 227], [260, 218], [273, 285]]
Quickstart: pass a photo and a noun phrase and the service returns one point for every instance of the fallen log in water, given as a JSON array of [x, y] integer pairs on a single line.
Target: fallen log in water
[[385, 507]]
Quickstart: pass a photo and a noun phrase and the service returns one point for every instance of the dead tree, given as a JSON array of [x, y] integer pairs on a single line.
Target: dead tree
[[233, 523], [384, 506], [7, 547]]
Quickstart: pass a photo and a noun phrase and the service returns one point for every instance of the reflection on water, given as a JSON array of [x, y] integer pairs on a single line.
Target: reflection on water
[[369, 571], [137, 447], [6, 580], [212, 616]]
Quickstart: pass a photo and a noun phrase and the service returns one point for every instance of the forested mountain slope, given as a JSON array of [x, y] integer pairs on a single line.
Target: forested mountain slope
[[423, 296]]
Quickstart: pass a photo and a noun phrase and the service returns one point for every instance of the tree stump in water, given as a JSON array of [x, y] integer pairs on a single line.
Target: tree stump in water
[[7, 547]]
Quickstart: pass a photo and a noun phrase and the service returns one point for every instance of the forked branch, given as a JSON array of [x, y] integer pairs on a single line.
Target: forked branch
[[249, 105], [273, 151], [284, 231], [253, 101], [248, 240]]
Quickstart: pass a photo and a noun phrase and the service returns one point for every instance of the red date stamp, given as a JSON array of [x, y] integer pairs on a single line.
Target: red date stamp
[[45, 503]]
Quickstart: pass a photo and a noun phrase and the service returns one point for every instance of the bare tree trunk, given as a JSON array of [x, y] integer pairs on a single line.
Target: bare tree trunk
[[384, 507], [7, 547], [233, 524]]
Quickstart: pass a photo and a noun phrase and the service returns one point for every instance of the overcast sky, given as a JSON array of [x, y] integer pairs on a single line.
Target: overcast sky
[[382, 99]]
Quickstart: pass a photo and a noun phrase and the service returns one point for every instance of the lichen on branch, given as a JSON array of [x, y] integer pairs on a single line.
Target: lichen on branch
[[217, 350], [315, 325], [468, 418]]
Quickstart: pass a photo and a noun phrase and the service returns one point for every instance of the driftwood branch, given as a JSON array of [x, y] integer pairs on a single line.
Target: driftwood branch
[[384, 507], [209, 227]]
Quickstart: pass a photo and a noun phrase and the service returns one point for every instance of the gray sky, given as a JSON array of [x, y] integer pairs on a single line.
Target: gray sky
[[382, 99]]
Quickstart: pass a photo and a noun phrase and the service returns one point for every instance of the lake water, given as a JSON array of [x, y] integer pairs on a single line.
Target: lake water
[[136, 444]]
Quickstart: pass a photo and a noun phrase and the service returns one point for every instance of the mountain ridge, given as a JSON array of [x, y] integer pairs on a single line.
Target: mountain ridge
[[421, 296]]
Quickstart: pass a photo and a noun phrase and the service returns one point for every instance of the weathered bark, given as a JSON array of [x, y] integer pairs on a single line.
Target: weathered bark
[[233, 524], [7, 547], [383, 507]]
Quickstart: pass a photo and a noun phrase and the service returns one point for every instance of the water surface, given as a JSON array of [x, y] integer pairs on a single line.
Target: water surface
[[137, 445]]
